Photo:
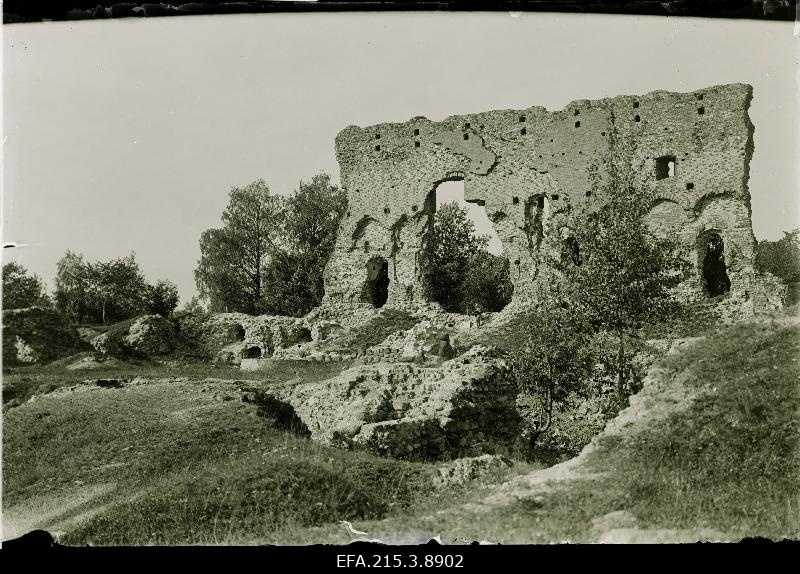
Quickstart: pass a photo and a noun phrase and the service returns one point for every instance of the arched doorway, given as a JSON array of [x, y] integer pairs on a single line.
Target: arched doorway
[[711, 252], [378, 281]]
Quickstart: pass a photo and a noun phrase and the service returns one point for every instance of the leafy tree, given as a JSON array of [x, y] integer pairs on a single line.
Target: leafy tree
[[291, 285], [192, 306], [71, 286], [21, 289], [294, 276], [781, 257], [556, 358], [108, 291], [619, 274], [116, 289], [162, 298], [230, 273], [454, 245], [486, 286]]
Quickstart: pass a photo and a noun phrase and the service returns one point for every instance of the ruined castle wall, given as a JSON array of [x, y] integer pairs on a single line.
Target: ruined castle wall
[[519, 163]]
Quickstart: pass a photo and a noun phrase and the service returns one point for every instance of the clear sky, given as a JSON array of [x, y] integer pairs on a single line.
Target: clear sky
[[127, 134]]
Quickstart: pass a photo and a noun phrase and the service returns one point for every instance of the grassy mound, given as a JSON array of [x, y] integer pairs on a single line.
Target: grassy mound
[[188, 462], [372, 332], [21, 383]]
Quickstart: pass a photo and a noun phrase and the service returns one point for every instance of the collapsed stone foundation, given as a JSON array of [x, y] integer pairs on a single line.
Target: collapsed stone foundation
[[465, 406]]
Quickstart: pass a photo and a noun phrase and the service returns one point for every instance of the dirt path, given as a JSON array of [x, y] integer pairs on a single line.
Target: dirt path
[[57, 513]]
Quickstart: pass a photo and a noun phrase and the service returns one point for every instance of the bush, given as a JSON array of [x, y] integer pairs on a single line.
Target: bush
[[782, 259], [487, 284], [557, 360]]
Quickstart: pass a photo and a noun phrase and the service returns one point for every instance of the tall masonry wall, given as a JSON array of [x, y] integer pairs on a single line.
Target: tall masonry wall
[[517, 162]]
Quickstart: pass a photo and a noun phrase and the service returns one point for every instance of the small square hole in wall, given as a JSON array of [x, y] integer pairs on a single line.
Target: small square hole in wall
[[521, 119], [576, 112], [416, 131], [689, 186], [348, 214], [589, 193], [603, 134], [554, 196], [466, 126], [386, 210], [377, 136], [466, 136], [636, 118], [377, 148], [699, 96], [523, 131], [665, 166], [515, 201], [416, 144], [577, 124], [413, 208], [635, 104], [701, 110]]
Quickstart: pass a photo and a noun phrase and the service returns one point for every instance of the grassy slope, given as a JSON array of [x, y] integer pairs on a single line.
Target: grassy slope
[[20, 384], [188, 469], [727, 461], [371, 333], [187, 462]]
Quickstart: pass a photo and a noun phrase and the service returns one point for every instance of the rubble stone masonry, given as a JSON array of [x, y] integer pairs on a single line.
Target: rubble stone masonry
[[692, 149]]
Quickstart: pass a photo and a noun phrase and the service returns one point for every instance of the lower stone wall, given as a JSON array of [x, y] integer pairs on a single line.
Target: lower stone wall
[[464, 407]]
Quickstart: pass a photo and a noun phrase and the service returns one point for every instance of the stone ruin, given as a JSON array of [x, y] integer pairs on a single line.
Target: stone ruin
[[531, 166], [414, 395], [465, 406]]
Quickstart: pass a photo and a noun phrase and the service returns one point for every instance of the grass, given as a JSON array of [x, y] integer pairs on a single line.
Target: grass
[[373, 332], [20, 384], [728, 461], [731, 460], [505, 336], [187, 462]]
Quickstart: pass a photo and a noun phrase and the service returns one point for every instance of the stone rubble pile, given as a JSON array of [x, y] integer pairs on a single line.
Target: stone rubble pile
[[465, 406]]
